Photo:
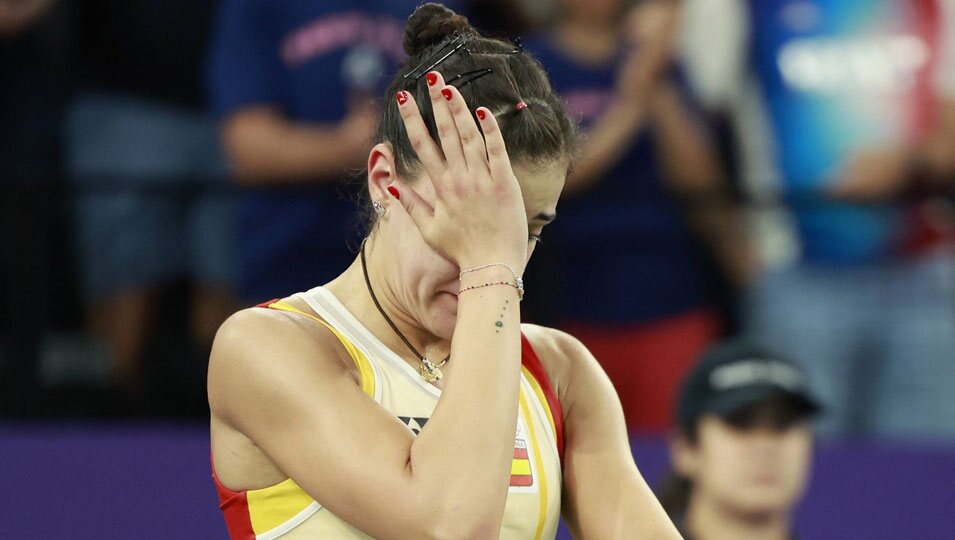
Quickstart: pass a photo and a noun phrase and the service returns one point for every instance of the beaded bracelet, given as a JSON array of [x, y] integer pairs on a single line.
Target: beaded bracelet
[[518, 282], [519, 286]]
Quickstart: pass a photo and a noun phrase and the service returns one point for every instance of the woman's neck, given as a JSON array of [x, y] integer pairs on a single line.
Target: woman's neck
[[352, 291], [708, 520]]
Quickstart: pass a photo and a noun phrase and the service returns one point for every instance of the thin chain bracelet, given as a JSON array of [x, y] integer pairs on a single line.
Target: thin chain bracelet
[[518, 282], [491, 265], [519, 286]]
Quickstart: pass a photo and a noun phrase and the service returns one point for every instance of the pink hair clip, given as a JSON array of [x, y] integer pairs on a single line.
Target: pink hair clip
[[521, 105]]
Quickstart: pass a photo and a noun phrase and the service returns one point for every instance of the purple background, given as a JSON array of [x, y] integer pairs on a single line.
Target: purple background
[[152, 481]]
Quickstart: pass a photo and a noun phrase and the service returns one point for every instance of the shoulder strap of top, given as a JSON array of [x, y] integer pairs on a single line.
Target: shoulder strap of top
[[365, 371], [545, 392]]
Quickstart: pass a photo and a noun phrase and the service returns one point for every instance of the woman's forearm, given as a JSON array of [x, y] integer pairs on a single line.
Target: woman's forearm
[[464, 456], [605, 143], [265, 148], [687, 157], [694, 176]]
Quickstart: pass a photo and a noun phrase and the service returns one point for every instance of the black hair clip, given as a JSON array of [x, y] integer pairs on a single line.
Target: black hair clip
[[449, 49], [518, 45], [468, 77], [446, 51]]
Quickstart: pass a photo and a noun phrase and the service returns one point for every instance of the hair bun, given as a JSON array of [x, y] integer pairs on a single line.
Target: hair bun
[[430, 24]]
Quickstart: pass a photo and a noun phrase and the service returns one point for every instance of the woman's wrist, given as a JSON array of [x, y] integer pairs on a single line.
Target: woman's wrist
[[513, 262], [490, 275], [625, 108]]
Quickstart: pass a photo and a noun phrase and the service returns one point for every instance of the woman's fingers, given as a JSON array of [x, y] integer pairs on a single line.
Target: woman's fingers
[[472, 143], [497, 159], [420, 211], [447, 130], [421, 141]]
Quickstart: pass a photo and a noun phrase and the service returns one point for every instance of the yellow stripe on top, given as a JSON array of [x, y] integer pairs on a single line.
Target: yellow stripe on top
[[365, 372], [275, 505], [542, 516], [543, 399], [520, 467]]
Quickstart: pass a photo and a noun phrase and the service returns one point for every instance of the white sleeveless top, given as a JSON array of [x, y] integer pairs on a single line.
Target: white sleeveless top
[[533, 502]]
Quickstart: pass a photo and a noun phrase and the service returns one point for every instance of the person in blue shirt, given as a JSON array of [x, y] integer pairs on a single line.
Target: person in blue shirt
[[845, 117], [293, 83], [631, 286], [150, 205]]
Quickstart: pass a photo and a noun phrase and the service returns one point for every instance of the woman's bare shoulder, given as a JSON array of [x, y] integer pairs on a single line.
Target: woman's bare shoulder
[[563, 356], [266, 347]]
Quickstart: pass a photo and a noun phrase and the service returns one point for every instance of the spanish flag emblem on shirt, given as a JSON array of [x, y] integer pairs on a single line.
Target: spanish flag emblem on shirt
[[521, 475]]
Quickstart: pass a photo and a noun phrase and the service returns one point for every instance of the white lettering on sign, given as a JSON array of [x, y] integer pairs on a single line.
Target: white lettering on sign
[[882, 65]]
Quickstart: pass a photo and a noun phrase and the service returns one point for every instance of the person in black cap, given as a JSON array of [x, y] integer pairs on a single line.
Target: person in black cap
[[743, 446]]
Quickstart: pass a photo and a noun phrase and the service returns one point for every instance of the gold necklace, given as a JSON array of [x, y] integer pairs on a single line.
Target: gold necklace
[[428, 370]]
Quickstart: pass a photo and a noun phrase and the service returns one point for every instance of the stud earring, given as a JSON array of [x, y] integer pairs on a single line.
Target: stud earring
[[379, 209]]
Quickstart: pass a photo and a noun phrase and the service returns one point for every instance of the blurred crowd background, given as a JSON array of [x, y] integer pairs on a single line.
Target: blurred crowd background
[[782, 170]]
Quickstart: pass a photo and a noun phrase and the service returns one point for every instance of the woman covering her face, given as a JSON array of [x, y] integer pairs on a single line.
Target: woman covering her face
[[404, 399]]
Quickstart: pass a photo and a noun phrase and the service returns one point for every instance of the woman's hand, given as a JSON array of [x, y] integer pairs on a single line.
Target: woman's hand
[[650, 28], [478, 214]]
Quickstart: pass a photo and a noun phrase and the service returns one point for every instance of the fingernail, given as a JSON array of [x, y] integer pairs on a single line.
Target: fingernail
[[481, 114], [432, 78], [447, 94], [402, 97], [394, 192]]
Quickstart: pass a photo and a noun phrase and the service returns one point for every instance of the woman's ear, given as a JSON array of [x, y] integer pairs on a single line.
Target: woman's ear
[[381, 171], [684, 455]]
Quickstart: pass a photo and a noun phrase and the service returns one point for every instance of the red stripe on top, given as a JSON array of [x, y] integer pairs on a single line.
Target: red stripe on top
[[533, 364], [269, 303], [523, 480], [235, 508]]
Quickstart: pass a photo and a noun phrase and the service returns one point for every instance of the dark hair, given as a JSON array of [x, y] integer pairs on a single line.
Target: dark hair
[[676, 489], [674, 494], [535, 135]]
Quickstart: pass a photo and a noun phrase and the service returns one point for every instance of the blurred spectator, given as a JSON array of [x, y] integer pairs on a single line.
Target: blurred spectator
[[845, 115], [294, 84], [32, 60], [18, 16], [506, 18], [633, 289], [743, 446], [32, 94], [149, 173]]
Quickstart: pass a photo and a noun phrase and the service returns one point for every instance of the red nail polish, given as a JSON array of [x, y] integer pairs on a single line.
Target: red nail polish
[[447, 94], [432, 78], [481, 114], [402, 97], [394, 192]]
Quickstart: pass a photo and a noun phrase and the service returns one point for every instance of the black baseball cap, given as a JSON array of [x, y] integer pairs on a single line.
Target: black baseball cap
[[738, 373]]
